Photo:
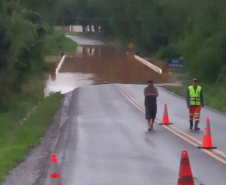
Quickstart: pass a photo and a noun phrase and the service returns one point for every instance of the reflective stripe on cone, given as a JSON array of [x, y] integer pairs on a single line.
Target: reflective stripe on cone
[[207, 139], [185, 173], [54, 173], [165, 118]]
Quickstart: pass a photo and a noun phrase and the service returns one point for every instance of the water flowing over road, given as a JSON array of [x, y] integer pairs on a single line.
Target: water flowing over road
[[100, 133]]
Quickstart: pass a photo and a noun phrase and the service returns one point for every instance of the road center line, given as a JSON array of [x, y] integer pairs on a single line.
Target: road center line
[[195, 142]]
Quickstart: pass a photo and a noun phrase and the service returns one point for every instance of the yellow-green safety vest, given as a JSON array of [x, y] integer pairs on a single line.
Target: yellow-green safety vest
[[195, 95]]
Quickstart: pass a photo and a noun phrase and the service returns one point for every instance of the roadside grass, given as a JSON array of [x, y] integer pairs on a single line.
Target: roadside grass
[[73, 33], [17, 138], [69, 45], [214, 94], [57, 43], [181, 91]]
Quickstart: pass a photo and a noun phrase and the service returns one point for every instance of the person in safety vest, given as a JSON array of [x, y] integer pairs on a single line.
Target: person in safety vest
[[195, 101]]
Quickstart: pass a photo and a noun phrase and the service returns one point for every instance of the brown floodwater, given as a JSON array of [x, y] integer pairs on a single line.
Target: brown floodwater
[[111, 66], [100, 65]]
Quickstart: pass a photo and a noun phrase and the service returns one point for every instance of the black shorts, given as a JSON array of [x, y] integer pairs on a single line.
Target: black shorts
[[150, 111]]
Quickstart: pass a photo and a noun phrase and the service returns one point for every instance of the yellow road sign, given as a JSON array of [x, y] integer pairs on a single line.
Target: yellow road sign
[[130, 46]]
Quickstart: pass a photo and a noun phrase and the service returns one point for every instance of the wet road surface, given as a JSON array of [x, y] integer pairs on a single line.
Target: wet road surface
[[67, 82], [85, 41], [101, 138], [178, 114], [97, 63], [105, 141], [111, 66], [114, 133]]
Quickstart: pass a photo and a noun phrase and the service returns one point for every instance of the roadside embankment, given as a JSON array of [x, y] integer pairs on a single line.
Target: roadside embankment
[[26, 114], [18, 137]]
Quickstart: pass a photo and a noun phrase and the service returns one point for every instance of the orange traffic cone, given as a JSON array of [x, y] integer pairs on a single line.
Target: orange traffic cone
[[207, 140], [54, 173], [165, 118], [185, 174]]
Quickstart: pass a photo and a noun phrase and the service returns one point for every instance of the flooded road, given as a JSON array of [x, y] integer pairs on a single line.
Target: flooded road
[[67, 82], [101, 64], [100, 134]]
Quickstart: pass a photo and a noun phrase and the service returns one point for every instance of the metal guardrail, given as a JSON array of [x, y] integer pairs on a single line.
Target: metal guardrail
[[150, 65]]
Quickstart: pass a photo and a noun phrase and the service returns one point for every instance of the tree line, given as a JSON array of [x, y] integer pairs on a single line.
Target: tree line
[[192, 30], [24, 34]]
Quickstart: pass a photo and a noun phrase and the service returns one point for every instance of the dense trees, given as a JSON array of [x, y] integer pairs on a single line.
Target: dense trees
[[23, 32], [194, 30]]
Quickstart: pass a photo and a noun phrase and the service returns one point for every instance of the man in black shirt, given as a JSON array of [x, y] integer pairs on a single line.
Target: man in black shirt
[[151, 94]]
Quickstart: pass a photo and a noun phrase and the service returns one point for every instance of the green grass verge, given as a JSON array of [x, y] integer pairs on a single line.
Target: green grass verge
[[69, 45], [181, 91], [57, 43], [73, 33], [214, 94], [16, 139]]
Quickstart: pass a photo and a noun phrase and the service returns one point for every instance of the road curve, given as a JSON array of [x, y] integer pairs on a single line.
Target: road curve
[[105, 141], [101, 138]]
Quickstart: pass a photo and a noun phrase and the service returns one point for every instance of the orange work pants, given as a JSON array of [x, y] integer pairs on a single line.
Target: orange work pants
[[194, 112]]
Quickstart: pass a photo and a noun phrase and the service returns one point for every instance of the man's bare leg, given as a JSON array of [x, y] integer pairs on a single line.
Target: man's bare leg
[[152, 123], [149, 124]]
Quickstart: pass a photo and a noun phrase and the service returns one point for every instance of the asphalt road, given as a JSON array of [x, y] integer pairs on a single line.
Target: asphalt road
[[178, 114], [101, 138], [105, 141]]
